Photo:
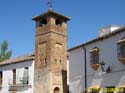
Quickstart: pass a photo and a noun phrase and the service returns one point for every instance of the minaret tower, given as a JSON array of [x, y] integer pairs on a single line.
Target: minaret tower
[[50, 71]]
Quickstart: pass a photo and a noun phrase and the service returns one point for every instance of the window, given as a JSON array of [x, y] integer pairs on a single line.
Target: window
[[58, 22], [14, 76], [26, 68], [1, 77], [94, 58], [121, 50], [55, 61], [60, 61], [26, 75], [43, 22]]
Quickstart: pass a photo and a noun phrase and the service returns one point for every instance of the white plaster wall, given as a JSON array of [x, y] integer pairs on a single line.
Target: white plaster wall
[[8, 75], [108, 54], [67, 72], [76, 70]]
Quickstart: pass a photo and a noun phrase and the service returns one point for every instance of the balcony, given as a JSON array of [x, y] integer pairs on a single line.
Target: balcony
[[122, 60], [95, 66], [19, 84], [94, 58]]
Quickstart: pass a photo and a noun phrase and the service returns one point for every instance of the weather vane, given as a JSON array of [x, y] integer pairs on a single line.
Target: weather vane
[[50, 4]]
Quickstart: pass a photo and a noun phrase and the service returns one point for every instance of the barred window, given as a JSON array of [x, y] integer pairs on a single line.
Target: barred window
[[121, 49], [94, 56]]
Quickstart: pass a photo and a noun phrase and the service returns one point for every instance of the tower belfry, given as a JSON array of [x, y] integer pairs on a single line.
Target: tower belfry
[[50, 53]]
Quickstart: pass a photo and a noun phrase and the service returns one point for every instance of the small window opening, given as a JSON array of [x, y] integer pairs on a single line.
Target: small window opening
[[43, 22], [26, 76], [14, 76], [58, 22], [45, 61], [55, 61], [1, 76], [26, 68], [94, 56], [60, 61]]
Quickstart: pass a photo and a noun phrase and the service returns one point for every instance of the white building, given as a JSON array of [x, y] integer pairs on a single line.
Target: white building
[[16, 75], [99, 63]]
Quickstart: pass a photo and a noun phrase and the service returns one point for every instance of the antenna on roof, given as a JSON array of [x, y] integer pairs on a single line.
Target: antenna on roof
[[50, 4]]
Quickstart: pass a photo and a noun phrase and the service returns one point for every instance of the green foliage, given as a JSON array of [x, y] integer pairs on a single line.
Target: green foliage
[[4, 54]]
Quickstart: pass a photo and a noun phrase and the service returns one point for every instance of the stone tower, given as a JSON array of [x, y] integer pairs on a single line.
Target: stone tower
[[50, 53]]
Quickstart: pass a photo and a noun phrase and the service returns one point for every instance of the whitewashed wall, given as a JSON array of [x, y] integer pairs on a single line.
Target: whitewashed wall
[[76, 70], [8, 75], [108, 54]]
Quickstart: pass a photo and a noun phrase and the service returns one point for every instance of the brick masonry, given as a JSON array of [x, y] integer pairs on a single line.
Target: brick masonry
[[50, 74]]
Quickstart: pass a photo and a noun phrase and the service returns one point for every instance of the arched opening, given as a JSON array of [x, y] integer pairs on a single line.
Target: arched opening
[[56, 90]]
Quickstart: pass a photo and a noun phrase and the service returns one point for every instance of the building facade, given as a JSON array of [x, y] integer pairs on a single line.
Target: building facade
[[99, 63], [44, 71], [16, 75]]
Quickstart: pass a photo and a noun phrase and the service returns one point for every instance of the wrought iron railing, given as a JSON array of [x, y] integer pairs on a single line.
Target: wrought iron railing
[[19, 81]]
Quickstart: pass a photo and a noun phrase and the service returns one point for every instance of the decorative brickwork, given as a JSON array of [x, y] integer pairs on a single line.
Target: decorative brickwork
[[50, 53]]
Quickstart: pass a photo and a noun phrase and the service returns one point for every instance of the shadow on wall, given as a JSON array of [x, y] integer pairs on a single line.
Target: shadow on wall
[[64, 79]]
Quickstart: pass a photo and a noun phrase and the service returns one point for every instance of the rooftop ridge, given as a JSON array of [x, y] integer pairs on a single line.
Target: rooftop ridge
[[122, 28], [22, 58]]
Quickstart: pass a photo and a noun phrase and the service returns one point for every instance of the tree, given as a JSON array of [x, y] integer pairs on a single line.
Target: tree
[[4, 53]]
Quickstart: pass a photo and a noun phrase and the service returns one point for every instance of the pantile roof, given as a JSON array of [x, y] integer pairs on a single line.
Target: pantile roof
[[23, 58]]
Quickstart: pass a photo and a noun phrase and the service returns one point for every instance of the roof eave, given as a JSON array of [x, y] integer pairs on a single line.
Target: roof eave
[[121, 29], [50, 13]]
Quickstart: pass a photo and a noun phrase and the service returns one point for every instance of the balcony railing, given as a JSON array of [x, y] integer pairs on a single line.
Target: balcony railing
[[19, 81], [19, 84]]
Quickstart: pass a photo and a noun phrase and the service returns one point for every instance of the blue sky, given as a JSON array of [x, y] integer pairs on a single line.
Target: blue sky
[[87, 17]]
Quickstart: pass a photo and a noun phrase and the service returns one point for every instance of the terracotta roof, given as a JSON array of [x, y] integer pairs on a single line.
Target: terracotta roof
[[50, 12], [23, 58], [119, 30]]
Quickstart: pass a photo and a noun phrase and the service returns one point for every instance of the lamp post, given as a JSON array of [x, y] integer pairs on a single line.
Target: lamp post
[[102, 64]]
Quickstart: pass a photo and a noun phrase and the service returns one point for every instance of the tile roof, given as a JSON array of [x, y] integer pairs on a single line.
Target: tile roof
[[23, 58]]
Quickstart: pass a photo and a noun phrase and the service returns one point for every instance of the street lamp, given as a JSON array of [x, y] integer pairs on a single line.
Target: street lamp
[[102, 64]]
